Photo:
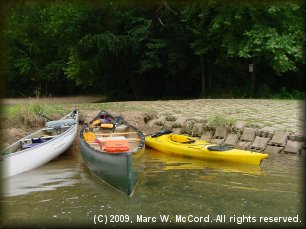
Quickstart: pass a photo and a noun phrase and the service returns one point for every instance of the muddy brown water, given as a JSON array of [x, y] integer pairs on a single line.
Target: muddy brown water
[[173, 191]]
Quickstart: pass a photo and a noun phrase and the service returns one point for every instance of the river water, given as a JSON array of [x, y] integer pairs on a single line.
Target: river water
[[188, 192]]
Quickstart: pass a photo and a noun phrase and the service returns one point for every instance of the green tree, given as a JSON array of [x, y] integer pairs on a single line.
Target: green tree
[[276, 42], [229, 35], [39, 43], [157, 49]]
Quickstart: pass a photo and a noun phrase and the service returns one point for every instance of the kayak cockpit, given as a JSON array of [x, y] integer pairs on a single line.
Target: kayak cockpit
[[181, 139], [219, 148]]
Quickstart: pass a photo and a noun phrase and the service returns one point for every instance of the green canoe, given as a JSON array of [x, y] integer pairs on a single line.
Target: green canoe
[[112, 150]]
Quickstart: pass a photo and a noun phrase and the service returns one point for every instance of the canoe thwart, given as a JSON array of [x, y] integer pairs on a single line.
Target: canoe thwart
[[112, 134]]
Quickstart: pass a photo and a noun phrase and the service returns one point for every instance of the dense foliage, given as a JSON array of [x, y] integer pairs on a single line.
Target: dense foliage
[[156, 50]]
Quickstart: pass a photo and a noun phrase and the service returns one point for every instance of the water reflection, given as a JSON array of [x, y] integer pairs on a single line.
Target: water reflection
[[64, 192], [172, 162], [42, 179]]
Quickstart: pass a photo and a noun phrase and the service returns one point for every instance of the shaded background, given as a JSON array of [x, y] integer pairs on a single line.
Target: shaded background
[[157, 49]]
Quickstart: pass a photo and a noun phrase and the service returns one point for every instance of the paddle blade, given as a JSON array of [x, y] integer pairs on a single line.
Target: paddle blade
[[118, 121]]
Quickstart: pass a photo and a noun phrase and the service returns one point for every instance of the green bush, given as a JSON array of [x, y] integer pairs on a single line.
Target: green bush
[[220, 120], [284, 94], [263, 91]]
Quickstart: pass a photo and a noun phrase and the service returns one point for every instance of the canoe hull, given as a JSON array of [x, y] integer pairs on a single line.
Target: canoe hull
[[121, 171], [31, 158], [199, 149]]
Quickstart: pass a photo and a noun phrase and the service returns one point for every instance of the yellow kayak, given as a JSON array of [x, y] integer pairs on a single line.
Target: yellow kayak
[[191, 147]]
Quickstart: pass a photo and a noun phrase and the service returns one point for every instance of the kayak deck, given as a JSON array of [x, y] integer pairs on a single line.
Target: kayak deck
[[192, 147]]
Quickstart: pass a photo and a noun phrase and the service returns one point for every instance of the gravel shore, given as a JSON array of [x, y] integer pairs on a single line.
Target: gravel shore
[[284, 115]]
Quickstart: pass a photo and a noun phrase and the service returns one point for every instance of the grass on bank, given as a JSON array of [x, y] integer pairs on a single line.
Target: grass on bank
[[26, 114], [220, 120]]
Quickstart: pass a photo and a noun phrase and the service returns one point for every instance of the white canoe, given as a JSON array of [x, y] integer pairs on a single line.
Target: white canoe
[[40, 147]]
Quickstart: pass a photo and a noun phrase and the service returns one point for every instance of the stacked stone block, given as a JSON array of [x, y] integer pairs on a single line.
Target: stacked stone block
[[256, 138]]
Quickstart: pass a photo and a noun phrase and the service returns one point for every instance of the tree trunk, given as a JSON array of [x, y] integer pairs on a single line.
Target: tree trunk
[[203, 86], [156, 15], [129, 74], [133, 84], [253, 79], [209, 79]]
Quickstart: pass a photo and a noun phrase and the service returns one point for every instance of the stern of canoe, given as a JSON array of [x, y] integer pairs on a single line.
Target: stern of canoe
[[119, 170]]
